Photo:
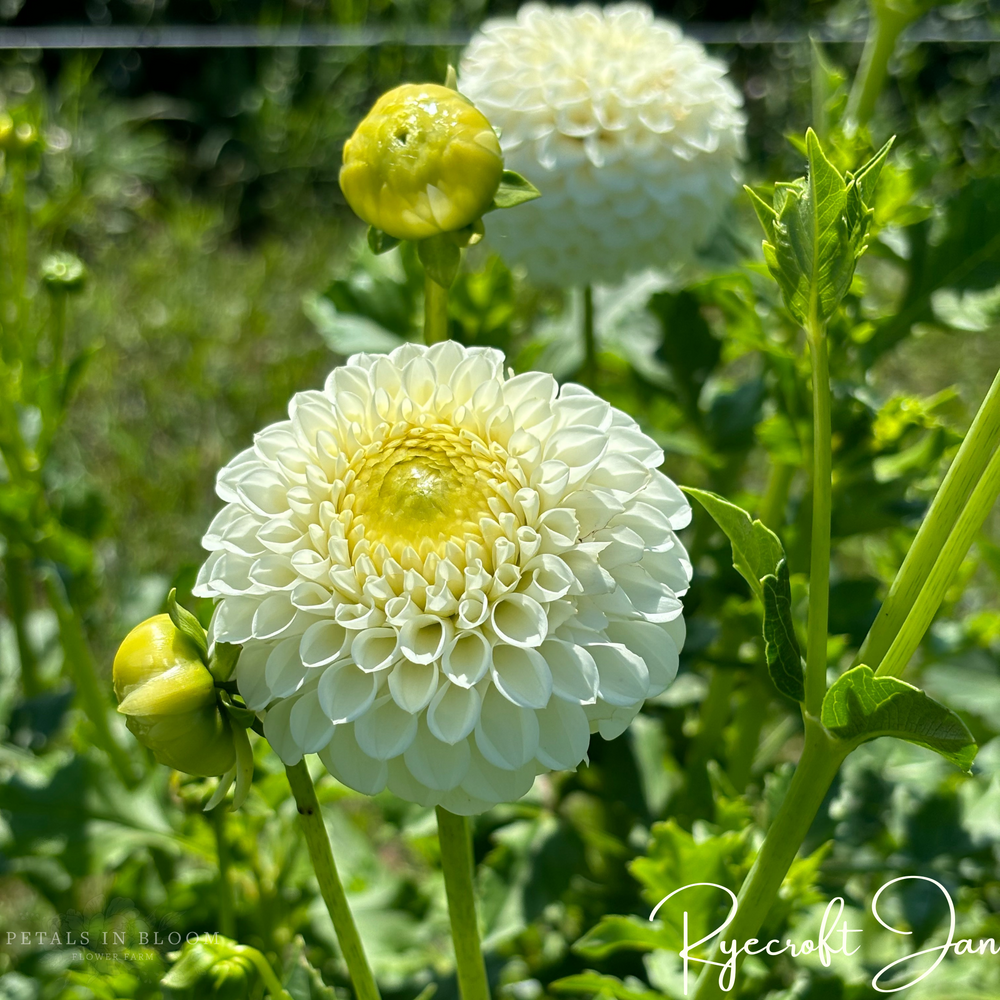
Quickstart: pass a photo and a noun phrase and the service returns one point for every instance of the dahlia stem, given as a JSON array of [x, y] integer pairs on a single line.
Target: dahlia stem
[[321, 855], [227, 915], [18, 601], [819, 560], [821, 759], [435, 311], [965, 471], [80, 660], [456, 863], [884, 28], [922, 612], [588, 373]]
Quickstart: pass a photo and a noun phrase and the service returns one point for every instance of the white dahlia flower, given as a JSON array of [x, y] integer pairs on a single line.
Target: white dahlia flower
[[444, 578], [630, 131]]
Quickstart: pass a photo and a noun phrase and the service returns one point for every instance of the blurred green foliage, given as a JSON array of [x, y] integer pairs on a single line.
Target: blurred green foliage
[[223, 274]]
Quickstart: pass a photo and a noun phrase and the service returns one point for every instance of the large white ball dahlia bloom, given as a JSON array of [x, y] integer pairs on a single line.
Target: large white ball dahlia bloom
[[445, 578], [630, 131]]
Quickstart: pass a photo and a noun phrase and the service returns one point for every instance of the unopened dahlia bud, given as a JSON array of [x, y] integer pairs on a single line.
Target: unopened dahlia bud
[[215, 967], [424, 161], [632, 132], [444, 578], [168, 698]]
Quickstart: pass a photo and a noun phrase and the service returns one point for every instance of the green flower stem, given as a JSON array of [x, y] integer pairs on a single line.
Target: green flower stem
[[435, 311], [713, 716], [90, 690], [321, 855], [18, 601], [749, 722], [965, 471], [457, 865], [588, 373], [263, 966], [818, 766], [227, 917], [885, 26], [819, 560], [922, 612]]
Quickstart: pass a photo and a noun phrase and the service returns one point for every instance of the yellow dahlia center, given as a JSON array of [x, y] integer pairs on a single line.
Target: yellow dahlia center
[[422, 490]]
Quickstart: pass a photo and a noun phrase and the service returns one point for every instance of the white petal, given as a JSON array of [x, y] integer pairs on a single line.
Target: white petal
[[250, 676], [506, 734], [264, 492], [273, 616], [654, 644], [422, 639], [564, 735], [403, 783], [322, 643], [487, 782], [412, 685], [453, 712], [440, 766], [385, 730], [345, 691], [284, 671], [549, 578], [350, 765], [574, 672], [278, 732], [466, 658], [374, 648], [522, 675], [310, 727], [624, 677], [651, 599], [233, 619], [519, 620]]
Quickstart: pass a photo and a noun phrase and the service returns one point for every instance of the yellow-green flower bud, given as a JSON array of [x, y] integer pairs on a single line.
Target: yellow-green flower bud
[[168, 698], [63, 272], [424, 161]]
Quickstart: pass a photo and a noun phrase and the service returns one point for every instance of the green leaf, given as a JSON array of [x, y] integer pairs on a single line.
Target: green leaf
[[188, 625], [379, 242], [756, 549], [617, 933], [609, 986], [781, 648], [224, 658], [441, 258], [861, 707], [348, 333], [816, 229], [514, 190]]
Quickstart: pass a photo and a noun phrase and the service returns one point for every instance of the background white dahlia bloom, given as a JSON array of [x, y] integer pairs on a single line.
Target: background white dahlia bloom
[[444, 578], [630, 131]]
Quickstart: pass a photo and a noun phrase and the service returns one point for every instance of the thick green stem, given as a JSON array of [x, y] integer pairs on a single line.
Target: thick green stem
[[819, 560], [588, 373], [984, 496], [818, 766], [749, 722], [965, 471], [321, 855], [263, 966], [457, 865], [80, 660], [884, 29], [435, 311], [19, 602], [227, 913]]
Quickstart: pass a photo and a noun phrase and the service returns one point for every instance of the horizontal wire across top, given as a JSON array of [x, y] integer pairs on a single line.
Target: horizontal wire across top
[[929, 30]]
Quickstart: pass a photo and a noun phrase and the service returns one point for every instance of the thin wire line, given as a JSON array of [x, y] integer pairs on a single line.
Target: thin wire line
[[931, 30]]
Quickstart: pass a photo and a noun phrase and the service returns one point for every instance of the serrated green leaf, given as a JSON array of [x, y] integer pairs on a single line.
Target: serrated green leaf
[[379, 242], [514, 190], [861, 707], [441, 258], [781, 648], [757, 550], [765, 214], [188, 626], [819, 230]]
